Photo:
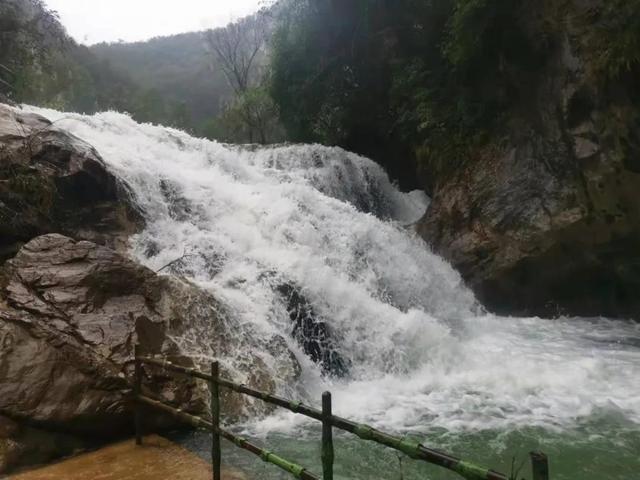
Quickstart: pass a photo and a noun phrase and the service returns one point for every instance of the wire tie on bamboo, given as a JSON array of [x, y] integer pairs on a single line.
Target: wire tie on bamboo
[[410, 447], [471, 471]]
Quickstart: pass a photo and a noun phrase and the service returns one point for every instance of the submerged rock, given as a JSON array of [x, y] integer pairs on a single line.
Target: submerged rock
[[53, 182], [313, 334]]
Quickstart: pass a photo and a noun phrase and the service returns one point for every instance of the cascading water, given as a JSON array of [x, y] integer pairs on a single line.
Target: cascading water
[[259, 227]]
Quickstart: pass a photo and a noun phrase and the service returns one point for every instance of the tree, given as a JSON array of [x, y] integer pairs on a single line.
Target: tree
[[236, 48], [251, 117], [29, 34], [239, 49]]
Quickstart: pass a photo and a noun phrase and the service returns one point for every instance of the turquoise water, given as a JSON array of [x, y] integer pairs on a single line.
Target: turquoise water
[[602, 447]]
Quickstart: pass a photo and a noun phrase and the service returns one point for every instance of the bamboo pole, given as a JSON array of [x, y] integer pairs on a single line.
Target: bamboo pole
[[405, 445], [137, 390], [540, 466], [216, 453], [327, 437], [267, 456]]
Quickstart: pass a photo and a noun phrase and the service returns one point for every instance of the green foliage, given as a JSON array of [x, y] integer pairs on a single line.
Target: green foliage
[[480, 30], [172, 81], [251, 118], [179, 70], [612, 36], [331, 71], [29, 33], [375, 76]]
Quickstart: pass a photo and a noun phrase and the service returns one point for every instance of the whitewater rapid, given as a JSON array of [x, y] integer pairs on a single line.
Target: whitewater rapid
[[421, 350]]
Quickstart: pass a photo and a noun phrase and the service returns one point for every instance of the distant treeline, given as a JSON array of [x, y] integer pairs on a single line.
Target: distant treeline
[[170, 81]]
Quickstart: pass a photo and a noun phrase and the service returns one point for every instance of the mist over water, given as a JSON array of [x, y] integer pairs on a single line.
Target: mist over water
[[423, 355]]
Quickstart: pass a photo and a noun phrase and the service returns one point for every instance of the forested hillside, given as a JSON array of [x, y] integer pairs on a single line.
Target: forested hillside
[[421, 85], [176, 81], [42, 65], [182, 85]]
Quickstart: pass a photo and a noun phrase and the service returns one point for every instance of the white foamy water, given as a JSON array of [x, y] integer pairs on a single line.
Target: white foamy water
[[420, 350]]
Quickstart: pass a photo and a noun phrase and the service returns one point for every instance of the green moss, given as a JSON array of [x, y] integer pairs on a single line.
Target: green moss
[[36, 189], [612, 37]]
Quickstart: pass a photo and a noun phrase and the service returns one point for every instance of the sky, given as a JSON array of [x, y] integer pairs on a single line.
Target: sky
[[94, 21]]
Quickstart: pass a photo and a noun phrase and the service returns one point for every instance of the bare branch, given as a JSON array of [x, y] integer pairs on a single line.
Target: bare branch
[[177, 260], [235, 49]]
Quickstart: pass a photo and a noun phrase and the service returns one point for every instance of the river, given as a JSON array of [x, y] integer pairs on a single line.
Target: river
[[418, 354]]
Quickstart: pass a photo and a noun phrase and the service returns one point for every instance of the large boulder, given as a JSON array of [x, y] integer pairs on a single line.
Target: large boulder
[[53, 182], [546, 219], [71, 313]]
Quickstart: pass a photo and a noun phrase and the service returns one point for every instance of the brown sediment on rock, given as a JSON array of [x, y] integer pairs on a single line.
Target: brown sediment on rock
[[157, 458]]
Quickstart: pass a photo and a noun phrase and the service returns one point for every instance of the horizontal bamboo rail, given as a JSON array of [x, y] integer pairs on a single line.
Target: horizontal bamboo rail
[[405, 445], [197, 422]]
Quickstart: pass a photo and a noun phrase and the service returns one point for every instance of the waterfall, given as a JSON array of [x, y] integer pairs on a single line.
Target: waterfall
[[299, 241]]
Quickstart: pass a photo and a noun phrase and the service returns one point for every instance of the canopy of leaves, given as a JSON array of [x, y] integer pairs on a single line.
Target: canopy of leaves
[[425, 76]]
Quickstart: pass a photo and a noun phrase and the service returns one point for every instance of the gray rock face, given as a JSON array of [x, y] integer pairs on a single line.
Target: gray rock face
[[53, 182], [546, 220]]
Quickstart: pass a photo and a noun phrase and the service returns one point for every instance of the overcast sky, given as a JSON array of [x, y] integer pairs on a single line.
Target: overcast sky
[[93, 21]]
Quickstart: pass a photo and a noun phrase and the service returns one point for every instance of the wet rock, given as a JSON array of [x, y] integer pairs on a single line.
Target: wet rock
[[53, 182], [70, 315], [313, 334], [179, 207], [25, 445], [545, 220]]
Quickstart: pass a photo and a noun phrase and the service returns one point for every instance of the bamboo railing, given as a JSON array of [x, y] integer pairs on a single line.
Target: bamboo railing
[[409, 447]]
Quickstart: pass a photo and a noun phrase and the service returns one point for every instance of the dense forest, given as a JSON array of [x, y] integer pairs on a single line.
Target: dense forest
[[179, 81], [420, 86], [412, 80], [42, 65]]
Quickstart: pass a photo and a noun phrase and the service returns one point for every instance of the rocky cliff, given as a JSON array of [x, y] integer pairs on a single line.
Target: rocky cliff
[[51, 181], [544, 219]]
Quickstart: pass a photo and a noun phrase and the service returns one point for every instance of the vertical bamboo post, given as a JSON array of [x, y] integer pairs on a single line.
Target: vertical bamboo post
[[216, 454], [137, 390], [327, 437], [540, 466]]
